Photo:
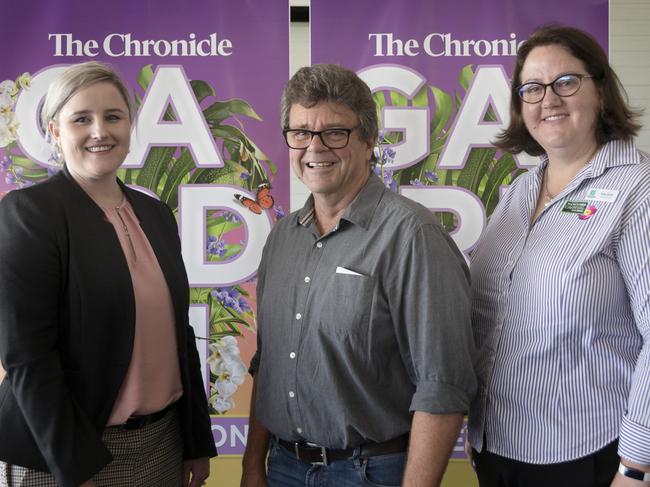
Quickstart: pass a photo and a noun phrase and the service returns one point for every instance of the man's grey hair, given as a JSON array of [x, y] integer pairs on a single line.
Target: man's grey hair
[[335, 84]]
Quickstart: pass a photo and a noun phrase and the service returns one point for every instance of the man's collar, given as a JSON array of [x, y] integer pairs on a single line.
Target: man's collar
[[359, 211]]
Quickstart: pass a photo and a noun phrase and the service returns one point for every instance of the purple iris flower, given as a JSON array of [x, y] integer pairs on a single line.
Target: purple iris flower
[[5, 163], [216, 246], [431, 176], [231, 298]]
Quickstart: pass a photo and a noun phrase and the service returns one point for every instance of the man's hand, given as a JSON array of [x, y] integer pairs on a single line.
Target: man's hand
[[196, 471], [89, 483], [254, 461], [250, 478]]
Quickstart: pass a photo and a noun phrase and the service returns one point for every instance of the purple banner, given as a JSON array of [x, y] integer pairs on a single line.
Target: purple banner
[[206, 77], [440, 74]]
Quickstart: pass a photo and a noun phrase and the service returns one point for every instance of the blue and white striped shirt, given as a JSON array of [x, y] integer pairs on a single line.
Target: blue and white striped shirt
[[561, 316]]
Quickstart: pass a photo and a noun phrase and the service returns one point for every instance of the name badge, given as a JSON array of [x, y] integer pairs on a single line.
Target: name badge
[[578, 207], [596, 194]]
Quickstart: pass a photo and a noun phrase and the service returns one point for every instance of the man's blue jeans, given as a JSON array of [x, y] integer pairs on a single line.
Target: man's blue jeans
[[285, 470]]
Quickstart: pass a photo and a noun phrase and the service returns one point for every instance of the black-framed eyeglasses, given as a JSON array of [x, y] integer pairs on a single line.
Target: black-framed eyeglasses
[[334, 138], [564, 85]]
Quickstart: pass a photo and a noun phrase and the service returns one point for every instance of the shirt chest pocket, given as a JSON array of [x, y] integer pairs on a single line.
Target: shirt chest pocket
[[345, 303]]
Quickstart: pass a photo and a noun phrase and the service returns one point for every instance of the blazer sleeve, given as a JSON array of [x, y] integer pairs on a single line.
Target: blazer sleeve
[[33, 270], [200, 442]]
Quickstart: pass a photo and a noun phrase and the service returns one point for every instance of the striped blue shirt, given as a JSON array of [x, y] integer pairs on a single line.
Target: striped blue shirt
[[561, 316]]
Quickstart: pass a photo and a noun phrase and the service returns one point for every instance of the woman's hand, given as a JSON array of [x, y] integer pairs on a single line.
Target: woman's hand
[[622, 481], [196, 471], [468, 452]]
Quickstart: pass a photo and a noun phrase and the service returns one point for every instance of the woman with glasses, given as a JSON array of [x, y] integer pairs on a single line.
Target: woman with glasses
[[561, 282]]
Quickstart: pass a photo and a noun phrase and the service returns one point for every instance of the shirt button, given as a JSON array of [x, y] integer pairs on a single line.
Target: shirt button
[[307, 279], [292, 355], [298, 316], [292, 394], [299, 431], [319, 245]]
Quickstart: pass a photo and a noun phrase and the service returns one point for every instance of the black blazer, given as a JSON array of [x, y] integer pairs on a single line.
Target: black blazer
[[67, 317]]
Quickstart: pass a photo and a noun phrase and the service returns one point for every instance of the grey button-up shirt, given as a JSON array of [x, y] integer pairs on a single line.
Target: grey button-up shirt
[[362, 326]]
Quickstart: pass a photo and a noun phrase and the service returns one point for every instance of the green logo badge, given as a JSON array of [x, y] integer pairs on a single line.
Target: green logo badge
[[578, 207]]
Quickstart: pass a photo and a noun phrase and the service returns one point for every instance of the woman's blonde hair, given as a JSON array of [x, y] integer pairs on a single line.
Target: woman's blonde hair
[[73, 79]]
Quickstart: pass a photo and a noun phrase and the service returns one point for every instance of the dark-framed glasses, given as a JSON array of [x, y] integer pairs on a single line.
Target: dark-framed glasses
[[334, 138], [564, 85]]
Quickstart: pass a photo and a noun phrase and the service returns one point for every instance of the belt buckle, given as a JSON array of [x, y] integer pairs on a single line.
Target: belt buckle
[[323, 454], [136, 422]]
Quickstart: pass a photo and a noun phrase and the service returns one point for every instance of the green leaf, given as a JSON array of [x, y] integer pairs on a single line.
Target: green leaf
[[137, 98], [233, 133], [222, 228], [145, 76], [25, 163], [199, 295], [201, 90], [223, 175], [465, 76], [421, 98], [397, 99], [490, 116], [221, 110], [181, 168], [232, 249], [477, 166], [155, 166], [442, 111], [380, 99], [504, 169], [459, 101], [380, 103], [446, 218]]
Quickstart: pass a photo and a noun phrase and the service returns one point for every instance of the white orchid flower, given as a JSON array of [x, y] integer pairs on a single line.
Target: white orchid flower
[[6, 135], [8, 87], [24, 81], [6, 102], [221, 404]]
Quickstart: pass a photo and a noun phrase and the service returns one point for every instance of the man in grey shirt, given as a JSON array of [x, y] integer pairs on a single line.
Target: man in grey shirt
[[364, 342]]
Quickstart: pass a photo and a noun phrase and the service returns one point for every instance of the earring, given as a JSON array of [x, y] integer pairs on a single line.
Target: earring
[[56, 157]]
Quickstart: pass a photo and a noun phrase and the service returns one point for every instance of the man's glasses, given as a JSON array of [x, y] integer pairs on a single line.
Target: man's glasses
[[334, 138], [565, 85]]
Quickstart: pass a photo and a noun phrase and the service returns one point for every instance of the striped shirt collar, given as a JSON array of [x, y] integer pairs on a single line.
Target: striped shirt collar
[[612, 154]]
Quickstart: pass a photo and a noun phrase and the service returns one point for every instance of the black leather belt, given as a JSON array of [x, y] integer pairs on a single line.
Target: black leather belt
[[319, 455], [137, 422]]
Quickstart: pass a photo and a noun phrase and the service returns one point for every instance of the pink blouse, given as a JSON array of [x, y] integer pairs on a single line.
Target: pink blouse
[[153, 379]]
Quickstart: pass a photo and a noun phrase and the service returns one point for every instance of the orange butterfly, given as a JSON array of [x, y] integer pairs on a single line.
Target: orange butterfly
[[263, 199]]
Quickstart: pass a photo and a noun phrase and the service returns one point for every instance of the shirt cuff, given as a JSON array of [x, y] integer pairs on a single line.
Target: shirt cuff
[[439, 398], [634, 442]]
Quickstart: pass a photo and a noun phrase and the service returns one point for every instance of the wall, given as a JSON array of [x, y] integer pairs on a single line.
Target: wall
[[629, 51]]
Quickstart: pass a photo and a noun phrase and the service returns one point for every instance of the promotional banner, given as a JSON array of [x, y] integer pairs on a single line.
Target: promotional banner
[[440, 73], [207, 82]]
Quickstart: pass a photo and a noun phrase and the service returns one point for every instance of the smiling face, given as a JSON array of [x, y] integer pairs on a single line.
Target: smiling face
[[563, 126], [93, 130], [334, 176]]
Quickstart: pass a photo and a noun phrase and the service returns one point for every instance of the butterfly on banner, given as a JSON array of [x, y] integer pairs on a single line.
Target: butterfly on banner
[[263, 199]]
